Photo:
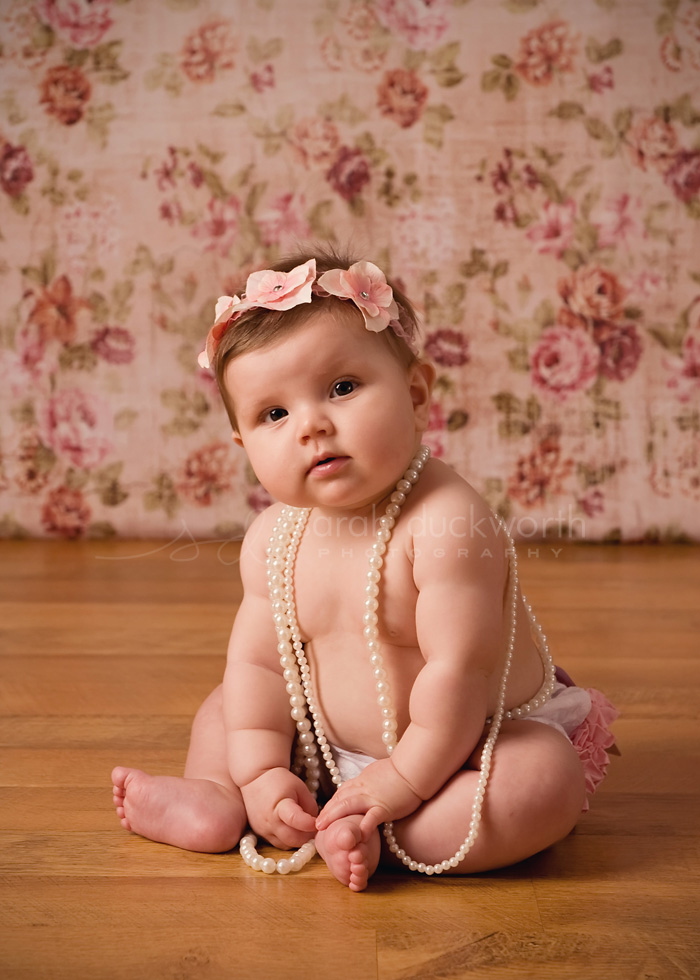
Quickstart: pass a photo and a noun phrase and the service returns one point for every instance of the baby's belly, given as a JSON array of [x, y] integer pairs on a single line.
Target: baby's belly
[[346, 692]]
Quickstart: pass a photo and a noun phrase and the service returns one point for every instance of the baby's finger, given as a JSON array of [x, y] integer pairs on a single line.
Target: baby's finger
[[291, 814], [336, 809], [371, 820]]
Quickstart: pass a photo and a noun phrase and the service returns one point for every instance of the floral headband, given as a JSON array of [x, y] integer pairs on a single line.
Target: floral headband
[[363, 283]]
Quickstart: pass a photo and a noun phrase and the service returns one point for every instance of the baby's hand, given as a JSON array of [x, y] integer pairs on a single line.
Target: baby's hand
[[379, 794], [280, 808]]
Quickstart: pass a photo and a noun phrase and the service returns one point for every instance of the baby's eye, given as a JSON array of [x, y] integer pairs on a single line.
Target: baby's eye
[[341, 388], [275, 414]]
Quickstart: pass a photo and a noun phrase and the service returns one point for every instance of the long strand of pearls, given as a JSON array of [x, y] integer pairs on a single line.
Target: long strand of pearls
[[281, 556]]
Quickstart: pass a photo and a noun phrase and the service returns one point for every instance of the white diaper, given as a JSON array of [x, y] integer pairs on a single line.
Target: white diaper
[[567, 708]]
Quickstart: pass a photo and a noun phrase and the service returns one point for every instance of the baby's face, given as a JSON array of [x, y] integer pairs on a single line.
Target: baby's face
[[328, 416]]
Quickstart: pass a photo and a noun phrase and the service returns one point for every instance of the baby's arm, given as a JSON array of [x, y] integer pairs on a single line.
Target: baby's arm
[[259, 727], [459, 617]]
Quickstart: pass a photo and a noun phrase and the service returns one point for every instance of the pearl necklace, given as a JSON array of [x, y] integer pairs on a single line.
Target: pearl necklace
[[281, 556]]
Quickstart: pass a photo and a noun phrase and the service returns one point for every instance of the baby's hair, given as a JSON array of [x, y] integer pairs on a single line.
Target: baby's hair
[[258, 328]]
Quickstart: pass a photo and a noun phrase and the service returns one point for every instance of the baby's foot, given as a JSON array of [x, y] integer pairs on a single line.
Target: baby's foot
[[195, 814], [350, 859]]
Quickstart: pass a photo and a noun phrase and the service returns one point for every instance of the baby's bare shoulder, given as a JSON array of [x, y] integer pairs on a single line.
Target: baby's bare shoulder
[[254, 549], [444, 492]]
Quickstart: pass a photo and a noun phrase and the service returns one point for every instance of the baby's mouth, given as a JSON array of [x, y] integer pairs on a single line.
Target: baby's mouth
[[326, 464]]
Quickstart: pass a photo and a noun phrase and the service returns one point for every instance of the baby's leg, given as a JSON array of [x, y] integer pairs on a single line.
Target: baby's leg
[[533, 799], [350, 859], [201, 812]]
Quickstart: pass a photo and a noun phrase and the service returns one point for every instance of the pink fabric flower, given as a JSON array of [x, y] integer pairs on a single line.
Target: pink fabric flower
[[420, 23], [115, 344], [685, 376], [593, 737], [82, 22], [268, 290], [65, 513], [366, 286], [555, 230], [564, 361], [448, 347], [221, 228], [281, 290], [76, 425]]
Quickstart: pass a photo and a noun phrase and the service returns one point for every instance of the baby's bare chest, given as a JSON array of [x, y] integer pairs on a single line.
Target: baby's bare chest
[[333, 590]]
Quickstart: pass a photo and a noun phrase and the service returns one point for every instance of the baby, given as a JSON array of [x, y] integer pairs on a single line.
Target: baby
[[383, 655]]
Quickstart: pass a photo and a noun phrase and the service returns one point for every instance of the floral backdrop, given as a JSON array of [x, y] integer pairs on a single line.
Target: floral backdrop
[[529, 170]]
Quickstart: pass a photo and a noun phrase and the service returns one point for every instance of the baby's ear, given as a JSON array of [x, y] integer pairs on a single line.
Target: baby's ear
[[236, 436], [421, 381]]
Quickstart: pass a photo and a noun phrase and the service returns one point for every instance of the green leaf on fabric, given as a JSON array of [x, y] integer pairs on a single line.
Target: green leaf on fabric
[[100, 531], [521, 6], [597, 129], [342, 110], [434, 119], [443, 65], [476, 265], [78, 357], [597, 53], [510, 86], [319, 220], [568, 110], [259, 51], [491, 80], [457, 420], [229, 110]]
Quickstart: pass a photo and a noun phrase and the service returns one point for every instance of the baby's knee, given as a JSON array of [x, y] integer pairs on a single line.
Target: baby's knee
[[564, 784]]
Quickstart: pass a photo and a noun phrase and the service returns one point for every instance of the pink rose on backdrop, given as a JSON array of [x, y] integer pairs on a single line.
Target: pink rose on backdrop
[[89, 234], [65, 513], [208, 50], [77, 426], [282, 221], [259, 499], [592, 503], [540, 472], [401, 96], [599, 81], [555, 230], [652, 143], [447, 347], [315, 141], [350, 173], [546, 51], [420, 23], [33, 464], [620, 349], [359, 20], [81, 22], [220, 229], [16, 170], [56, 311], [564, 361], [593, 737], [207, 473], [434, 435], [616, 225], [683, 176], [685, 370], [114, 345], [263, 79], [30, 365], [593, 293], [65, 92]]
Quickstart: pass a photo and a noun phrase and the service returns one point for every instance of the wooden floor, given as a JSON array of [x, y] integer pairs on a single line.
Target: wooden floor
[[108, 648]]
